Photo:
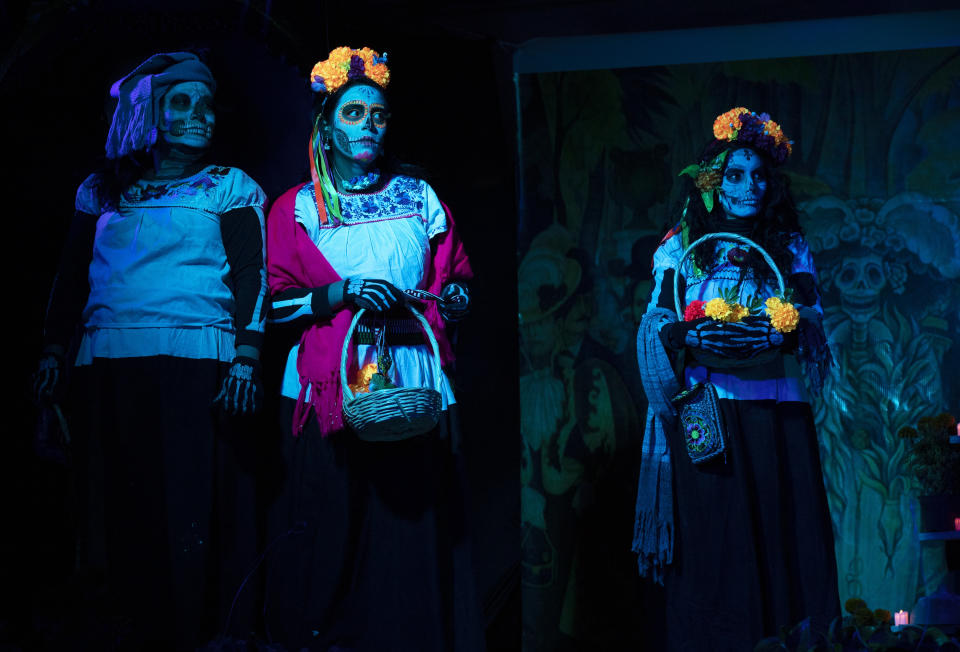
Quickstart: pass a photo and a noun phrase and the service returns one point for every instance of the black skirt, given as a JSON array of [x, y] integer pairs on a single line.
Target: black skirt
[[754, 542], [369, 544], [169, 488]]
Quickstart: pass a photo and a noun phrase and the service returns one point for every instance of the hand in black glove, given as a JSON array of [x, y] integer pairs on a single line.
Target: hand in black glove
[[46, 380], [737, 340], [372, 294], [242, 391], [455, 302]]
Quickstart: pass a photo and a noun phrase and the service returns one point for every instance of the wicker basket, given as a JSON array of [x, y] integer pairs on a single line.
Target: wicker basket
[[714, 360], [391, 414]]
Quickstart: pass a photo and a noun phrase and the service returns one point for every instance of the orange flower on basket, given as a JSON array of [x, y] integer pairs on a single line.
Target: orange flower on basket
[[738, 312], [727, 125], [783, 316], [364, 375]]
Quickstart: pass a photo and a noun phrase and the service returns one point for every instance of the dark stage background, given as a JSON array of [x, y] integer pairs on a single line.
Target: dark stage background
[[455, 106], [447, 118]]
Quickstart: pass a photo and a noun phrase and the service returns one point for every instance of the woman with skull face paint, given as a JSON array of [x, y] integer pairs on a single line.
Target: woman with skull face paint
[[742, 542], [164, 268], [372, 550]]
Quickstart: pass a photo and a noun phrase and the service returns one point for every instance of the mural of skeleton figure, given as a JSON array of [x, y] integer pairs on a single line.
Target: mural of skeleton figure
[[715, 532], [892, 266], [577, 424], [164, 270]]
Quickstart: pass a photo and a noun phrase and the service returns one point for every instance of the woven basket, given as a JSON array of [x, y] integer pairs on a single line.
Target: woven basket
[[715, 360], [391, 414]]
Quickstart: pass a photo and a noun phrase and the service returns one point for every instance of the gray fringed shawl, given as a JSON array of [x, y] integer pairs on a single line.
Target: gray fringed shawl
[[653, 525]]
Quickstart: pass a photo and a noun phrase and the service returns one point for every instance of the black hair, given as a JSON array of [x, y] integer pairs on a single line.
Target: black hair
[[390, 166], [775, 226], [114, 175]]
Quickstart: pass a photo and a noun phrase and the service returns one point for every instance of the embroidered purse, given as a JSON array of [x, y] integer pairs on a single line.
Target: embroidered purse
[[700, 421]]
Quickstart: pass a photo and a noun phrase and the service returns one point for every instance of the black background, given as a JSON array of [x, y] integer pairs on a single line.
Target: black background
[[452, 101]]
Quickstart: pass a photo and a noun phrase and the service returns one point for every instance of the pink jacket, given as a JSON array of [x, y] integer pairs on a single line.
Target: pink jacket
[[293, 261]]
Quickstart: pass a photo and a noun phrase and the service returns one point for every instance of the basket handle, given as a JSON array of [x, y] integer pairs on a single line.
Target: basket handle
[[438, 368], [722, 235]]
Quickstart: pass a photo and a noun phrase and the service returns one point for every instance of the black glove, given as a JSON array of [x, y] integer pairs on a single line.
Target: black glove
[[242, 391], [455, 302], [46, 380], [738, 340], [371, 294]]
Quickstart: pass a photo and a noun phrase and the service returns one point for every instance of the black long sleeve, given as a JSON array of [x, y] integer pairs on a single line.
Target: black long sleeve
[[242, 233], [71, 285], [300, 305]]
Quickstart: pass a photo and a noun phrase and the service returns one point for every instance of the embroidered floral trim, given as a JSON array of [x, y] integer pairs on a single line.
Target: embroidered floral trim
[[190, 187], [402, 197]]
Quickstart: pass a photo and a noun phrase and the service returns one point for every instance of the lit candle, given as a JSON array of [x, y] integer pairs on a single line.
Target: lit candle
[[901, 618], [956, 524]]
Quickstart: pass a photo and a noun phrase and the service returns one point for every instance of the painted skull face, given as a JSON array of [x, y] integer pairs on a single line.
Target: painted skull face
[[188, 117], [744, 184], [360, 123]]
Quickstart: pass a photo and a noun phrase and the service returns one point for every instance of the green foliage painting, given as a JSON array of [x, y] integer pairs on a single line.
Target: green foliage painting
[[876, 174]]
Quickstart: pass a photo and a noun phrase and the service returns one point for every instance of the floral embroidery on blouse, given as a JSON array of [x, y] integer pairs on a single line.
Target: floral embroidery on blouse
[[402, 197], [142, 191]]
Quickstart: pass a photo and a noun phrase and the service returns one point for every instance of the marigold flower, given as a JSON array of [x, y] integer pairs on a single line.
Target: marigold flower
[[364, 375], [727, 125], [882, 615], [694, 310], [783, 316], [738, 312], [718, 309], [853, 605], [346, 63], [708, 180]]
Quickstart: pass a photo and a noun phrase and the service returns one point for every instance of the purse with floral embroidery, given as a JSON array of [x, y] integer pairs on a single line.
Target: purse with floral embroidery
[[700, 421]]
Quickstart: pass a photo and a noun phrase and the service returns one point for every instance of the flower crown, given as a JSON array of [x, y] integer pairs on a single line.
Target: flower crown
[[345, 64], [743, 126]]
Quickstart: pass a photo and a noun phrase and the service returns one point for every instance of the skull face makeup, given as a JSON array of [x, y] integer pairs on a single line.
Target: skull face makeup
[[744, 184], [359, 124], [188, 117]]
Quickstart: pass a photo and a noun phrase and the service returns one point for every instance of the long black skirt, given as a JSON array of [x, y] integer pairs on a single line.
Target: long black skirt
[[169, 490], [754, 542], [369, 545]]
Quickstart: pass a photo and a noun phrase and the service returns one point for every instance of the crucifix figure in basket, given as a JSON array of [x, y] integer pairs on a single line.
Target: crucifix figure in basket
[[731, 510], [364, 261]]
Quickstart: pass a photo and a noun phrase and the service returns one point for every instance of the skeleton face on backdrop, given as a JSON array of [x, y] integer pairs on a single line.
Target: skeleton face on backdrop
[[744, 184], [359, 124], [188, 117]]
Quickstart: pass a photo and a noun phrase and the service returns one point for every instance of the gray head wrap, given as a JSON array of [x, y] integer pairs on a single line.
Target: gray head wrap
[[134, 125]]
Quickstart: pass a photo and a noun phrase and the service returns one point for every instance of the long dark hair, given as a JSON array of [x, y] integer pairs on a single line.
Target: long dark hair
[[390, 166], [776, 225], [114, 175]]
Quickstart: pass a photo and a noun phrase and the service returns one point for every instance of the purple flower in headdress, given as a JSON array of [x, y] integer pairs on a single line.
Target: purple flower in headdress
[[356, 67]]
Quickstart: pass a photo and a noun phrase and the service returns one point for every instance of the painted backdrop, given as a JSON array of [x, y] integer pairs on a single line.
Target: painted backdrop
[[876, 173]]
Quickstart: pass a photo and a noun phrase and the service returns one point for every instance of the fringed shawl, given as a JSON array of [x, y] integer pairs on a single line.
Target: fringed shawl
[[293, 261]]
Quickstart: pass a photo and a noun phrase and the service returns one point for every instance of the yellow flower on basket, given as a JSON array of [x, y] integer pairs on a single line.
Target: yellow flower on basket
[[783, 316], [720, 310], [364, 375], [717, 308]]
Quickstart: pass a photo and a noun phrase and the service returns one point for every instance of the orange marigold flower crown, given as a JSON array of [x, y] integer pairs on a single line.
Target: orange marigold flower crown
[[743, 126], [345, 64]]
